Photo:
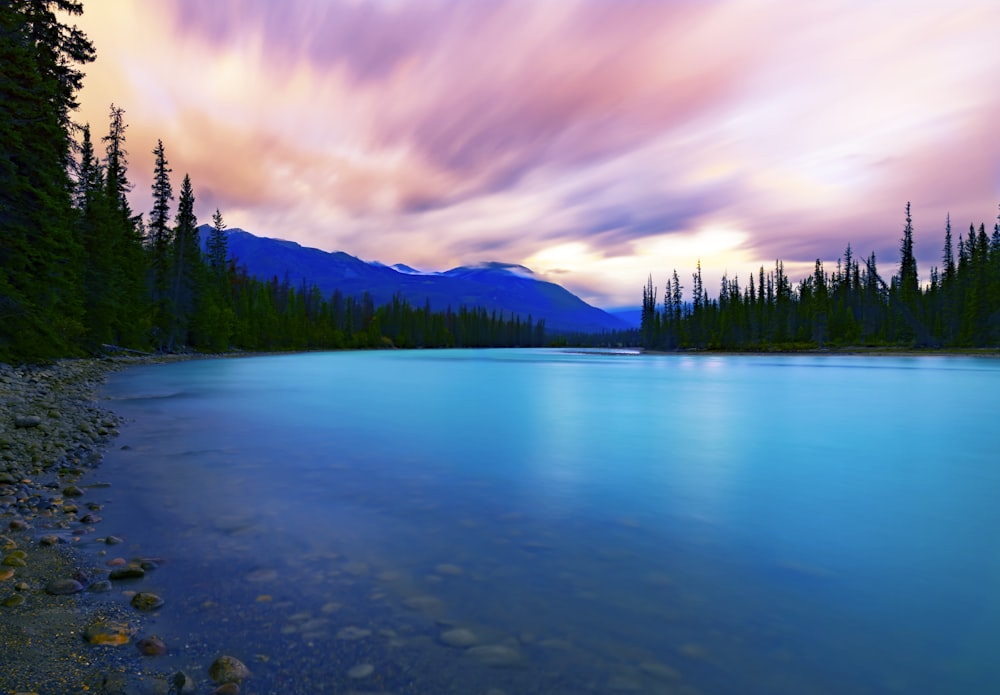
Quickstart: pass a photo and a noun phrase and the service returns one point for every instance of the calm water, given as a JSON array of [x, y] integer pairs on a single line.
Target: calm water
[[591, 523]]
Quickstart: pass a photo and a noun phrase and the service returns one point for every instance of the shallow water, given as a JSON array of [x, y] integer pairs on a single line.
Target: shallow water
[[597, 522]]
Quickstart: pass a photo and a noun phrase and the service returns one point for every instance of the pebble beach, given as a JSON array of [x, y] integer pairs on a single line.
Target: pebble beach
[[72, 608]]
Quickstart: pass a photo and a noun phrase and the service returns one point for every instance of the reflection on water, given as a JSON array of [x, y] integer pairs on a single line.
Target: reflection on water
[[544, 522]]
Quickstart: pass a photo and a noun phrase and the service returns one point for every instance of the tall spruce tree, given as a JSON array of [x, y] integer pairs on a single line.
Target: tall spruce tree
[[159, 241], [129, 283], [186, 266], [909, 285], [41, 314]]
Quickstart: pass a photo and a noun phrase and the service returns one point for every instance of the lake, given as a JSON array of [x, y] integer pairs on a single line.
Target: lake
[[538, 521]]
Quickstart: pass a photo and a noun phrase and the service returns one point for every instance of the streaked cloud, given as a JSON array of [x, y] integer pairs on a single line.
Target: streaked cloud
[[593, 141]]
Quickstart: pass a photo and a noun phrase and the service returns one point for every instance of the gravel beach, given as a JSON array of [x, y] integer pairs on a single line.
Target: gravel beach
[[66, 622]]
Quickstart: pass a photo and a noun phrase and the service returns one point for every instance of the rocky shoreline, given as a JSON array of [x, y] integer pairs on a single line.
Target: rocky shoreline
[[66, 622]]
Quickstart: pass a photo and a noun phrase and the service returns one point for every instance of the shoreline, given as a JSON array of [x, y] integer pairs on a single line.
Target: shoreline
[[66, 622]]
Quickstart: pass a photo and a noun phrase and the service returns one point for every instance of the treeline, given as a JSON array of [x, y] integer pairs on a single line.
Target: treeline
[[81, 272], [852, 306]]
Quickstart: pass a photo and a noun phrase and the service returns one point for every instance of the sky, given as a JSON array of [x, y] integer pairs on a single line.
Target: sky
[[593, 141]]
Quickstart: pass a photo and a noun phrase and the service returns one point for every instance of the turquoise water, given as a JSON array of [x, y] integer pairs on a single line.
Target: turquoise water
[[590, 522]]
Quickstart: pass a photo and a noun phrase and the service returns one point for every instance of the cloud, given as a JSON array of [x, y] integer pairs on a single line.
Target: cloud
[[442, 132]]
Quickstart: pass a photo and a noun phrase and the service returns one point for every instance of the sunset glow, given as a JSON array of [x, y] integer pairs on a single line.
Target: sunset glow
[[594, 142]]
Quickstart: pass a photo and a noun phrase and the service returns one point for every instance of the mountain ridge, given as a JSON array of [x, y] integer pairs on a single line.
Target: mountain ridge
[[507, 288]]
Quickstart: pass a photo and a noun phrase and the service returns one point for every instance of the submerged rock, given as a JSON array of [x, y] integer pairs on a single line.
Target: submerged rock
[[360, 671], [459, 637], [108, 633], [228, 669], [494, 654], [151, 646], [63, 587], [146, 601]]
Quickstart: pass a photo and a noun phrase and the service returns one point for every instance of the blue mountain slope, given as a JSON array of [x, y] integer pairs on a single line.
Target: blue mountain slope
[[502, 287]]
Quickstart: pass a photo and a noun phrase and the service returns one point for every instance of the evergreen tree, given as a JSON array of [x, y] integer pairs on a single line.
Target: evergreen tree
[[218, 252], [909, 286], [128, 283], [160, 242], [186, 266], [41, 313]]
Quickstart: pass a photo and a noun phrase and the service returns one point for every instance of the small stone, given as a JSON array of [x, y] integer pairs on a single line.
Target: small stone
[[100, 587], [459, 637], [108, 634], [18, 525], [151, 646], [24, 421], [113, 540], [12, 601], [228, 669], [360, 671], [14, 561], [6, 574], [145, 601], [49, 539], [72, 491], [63, 587]]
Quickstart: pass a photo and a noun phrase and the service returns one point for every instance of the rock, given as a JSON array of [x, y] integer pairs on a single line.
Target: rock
[[108, 633], [145, 601], [49, 539], [228, 669], [72, 491], [100, 587], [113, 540], [459, 637], [12, 601], [151, 646], [182, 683], [25, 421], [63, 587], [18, 525], [127, 572], [6, 574], [494, 654], [14, 561], [360, 671]]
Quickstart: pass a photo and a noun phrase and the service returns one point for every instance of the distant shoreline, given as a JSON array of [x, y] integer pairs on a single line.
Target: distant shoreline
[[989, 353]]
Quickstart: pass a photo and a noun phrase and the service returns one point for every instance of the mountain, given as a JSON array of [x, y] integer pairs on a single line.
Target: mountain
[[503, 287]]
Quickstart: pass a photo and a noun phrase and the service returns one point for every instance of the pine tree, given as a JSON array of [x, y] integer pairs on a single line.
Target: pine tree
[[218, 252], [186, 266], [160, 242], [909, 286], [128, 284]]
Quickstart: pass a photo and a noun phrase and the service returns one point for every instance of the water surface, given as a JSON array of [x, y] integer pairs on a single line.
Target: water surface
[[595, 522]]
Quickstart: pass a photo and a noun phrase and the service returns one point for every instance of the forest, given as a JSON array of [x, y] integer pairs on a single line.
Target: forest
[[81, 273], [852, 306]]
